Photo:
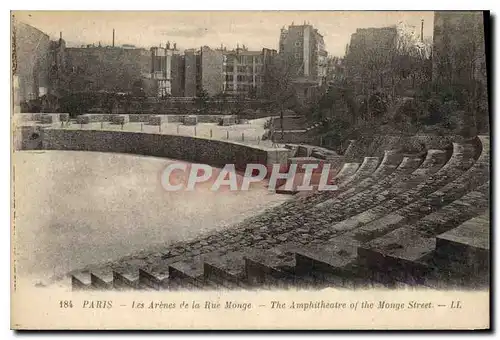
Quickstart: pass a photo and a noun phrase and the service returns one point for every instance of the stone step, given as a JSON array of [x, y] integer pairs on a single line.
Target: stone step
[[227, 271], [407, 249], [325, 262], [366, 168], [410, 198], [102, 279], [154, 277], [126, 280], [347, 170], [190, 272], [273, 267], [435, 160], [362, 191], [81, 281], [466, 247]]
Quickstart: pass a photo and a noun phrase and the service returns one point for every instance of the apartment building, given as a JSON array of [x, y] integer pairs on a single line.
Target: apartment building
[[167, 68], [306, 47], [243, 72]]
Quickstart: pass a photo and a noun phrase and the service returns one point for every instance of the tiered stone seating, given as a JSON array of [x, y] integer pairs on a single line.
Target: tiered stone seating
[[400, 194], [467, 247], [395, 223], [125, 281], [80, 281], [390, 217], [404, 251], [435, 159], [102, 279], [391, 162]]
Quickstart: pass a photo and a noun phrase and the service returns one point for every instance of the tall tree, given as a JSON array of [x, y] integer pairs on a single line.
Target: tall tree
[[278, 87]]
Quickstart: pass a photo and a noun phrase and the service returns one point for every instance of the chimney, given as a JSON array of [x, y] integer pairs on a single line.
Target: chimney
[[60, 35], [422, 31], [113, 37]]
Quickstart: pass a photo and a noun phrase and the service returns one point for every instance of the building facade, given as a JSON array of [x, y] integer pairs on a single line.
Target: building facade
[[113, 69], [31, 59], [244, 71], [167, 69], [306, 46], [211, 71], [369, 56]]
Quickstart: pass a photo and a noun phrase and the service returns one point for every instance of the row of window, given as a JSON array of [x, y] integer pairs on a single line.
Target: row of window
[[244, 59], [242, 69], [243, 78], [240, 88]]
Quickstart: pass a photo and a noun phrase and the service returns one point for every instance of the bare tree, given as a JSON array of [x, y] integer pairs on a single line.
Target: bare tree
[[278, 85]]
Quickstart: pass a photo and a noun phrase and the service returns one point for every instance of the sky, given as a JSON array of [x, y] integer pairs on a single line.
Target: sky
[[191, 29]]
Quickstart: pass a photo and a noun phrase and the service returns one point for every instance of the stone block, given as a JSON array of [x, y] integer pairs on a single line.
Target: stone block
[[120, 119], [466, 247], [125, 281], [102, 280], [190, 120], [190, 272], [80, 281], [83, 119], [64, 117], [154, 278], [304, 151], [227, 270], [229, 120], [49, 118], [157, 120], [273, 267]]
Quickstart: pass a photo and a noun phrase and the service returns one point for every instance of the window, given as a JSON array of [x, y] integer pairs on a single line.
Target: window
[[297, 55], [298, 43]]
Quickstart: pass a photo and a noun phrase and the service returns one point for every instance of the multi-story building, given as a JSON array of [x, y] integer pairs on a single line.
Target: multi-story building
[[31, 61], [370, 54], [203, 71], [306, 47], [107, 68], [244, 71], [167, 68], [211, 72], [191, 65], [57, 67]]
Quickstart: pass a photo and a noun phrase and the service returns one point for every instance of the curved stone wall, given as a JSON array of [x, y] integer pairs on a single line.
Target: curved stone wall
[[193, 149]]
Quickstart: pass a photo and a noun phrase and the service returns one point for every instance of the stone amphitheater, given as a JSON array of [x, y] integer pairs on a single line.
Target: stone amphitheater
[[409, 212], [396, 221]]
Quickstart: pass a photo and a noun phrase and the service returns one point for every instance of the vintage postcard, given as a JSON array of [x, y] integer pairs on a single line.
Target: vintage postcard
[[250, 170]]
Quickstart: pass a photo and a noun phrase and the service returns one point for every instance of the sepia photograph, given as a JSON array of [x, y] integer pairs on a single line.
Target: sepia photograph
[[248, 153]]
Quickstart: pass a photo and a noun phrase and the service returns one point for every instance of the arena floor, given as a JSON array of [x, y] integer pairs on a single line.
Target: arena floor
[[73, 209]]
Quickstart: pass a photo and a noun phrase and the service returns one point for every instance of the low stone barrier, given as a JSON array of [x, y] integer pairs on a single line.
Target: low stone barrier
[[49, 118], [190, 120], [157, 120], [120, 119], [213, 152], [230, 120]]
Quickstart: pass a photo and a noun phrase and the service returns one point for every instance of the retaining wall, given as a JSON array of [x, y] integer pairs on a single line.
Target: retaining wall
[[192, 149]]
